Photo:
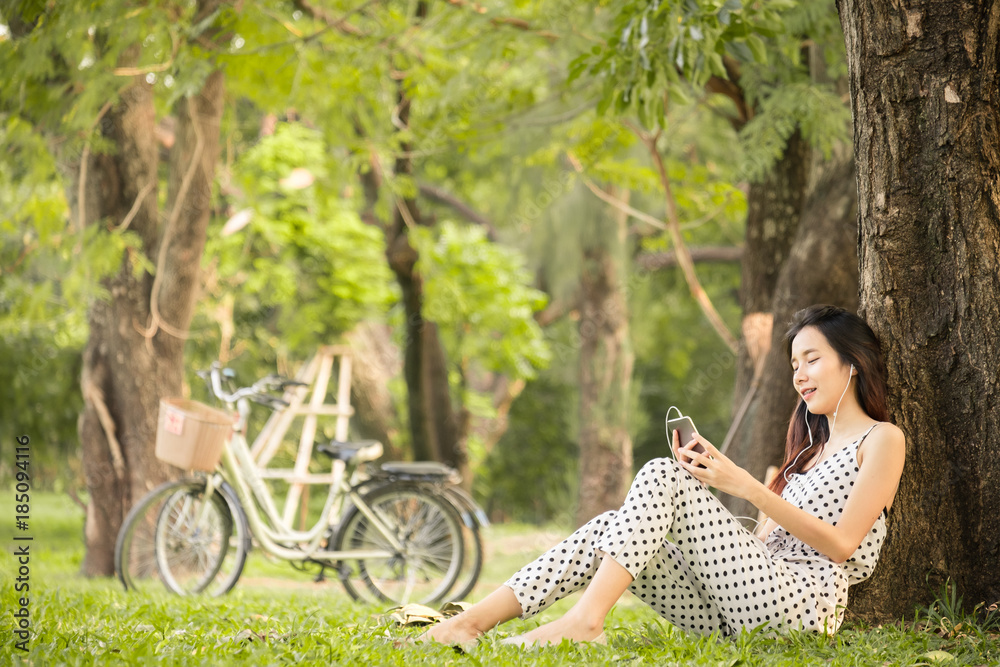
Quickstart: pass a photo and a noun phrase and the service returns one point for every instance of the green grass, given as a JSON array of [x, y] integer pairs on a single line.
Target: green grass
[[278, 616]]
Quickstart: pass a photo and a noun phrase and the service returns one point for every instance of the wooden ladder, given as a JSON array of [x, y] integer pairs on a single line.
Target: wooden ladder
[[316, 374]]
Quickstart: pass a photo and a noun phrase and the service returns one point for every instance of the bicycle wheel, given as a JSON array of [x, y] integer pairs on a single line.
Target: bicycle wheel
[[472, 538], [472, 549], [136, 547], [193, 538], [428, 563]]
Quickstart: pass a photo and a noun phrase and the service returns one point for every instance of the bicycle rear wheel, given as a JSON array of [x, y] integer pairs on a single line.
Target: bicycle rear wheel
[[154, 550], [472, 538], [429, 561], [472, 553]]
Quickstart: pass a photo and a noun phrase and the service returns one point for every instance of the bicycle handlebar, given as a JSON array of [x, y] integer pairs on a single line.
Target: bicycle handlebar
[[257, 392]]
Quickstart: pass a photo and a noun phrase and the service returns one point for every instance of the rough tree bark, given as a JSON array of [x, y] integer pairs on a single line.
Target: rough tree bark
[[606, 362], [433, 425], [118, 423], [925, 91]]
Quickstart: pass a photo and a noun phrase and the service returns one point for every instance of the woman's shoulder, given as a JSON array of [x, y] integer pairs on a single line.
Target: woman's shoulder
[[885, 438]]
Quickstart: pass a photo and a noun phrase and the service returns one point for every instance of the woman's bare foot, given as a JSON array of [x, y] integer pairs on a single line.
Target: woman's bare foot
[[499, 606], [455, 630], [570, 626]]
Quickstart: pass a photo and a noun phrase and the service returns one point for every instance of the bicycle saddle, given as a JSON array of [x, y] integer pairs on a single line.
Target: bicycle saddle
[[362, 450], [432, 468]]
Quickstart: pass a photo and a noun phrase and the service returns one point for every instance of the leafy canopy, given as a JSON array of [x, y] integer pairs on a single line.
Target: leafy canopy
[[304, 269], [479, 293]]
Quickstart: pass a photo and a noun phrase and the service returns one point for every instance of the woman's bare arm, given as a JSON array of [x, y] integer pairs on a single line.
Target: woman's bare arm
[[878, 478]]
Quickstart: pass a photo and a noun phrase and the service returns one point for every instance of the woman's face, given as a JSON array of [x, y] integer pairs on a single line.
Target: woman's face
[[819, 376]]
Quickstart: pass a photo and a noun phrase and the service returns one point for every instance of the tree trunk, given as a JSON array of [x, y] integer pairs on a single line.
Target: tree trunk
[[774, 210], [434, 425], [821, 268], [118, 424], [129, 363], [606, 361], [774, 207], [924, 90]]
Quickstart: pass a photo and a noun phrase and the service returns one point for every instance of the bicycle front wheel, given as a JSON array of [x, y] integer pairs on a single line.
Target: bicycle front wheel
[[155, 546], [427, 563], [194, 537]]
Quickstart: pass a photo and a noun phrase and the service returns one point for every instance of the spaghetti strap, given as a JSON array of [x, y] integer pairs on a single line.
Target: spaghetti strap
[[885, 510], [870, 429]]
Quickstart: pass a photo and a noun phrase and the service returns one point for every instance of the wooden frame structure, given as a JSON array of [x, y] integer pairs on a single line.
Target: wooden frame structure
[[317, 374]]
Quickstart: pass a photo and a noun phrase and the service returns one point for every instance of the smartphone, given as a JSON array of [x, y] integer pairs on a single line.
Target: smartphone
[[686, 428]]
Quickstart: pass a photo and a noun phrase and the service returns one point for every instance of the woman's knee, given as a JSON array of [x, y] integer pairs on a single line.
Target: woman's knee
[[663, 470]]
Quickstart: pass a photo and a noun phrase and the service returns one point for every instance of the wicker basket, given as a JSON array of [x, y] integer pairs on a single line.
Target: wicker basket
[[191, 435]]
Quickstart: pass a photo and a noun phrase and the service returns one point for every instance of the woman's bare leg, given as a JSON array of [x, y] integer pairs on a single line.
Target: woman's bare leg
[[584, 622], [498, 607]]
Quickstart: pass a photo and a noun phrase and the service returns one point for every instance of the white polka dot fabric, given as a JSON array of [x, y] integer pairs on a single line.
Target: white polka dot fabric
[[698, 567]]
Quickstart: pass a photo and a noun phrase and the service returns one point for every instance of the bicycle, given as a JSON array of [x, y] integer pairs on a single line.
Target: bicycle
[[399, 542]]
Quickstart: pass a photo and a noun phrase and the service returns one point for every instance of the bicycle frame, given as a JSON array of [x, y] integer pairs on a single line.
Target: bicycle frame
[[238, 469]]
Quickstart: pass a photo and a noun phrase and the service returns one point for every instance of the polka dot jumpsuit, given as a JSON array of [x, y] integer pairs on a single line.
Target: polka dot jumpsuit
[[699, 568]]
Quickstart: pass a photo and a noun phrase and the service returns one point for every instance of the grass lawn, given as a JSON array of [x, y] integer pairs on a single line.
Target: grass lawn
[[277, 616]]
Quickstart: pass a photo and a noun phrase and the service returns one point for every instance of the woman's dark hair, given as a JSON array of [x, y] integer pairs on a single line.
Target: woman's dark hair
[[854, 341]]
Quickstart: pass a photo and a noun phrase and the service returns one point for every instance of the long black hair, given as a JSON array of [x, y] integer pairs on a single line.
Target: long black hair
[[855, 343]]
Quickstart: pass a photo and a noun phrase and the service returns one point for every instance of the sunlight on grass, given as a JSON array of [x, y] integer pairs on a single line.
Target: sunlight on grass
[[277, 615]]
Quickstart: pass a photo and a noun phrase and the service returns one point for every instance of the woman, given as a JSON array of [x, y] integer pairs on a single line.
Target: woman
[[678, 549]]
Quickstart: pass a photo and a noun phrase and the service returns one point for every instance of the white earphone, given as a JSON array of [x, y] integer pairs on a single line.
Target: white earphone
[[809, 429]]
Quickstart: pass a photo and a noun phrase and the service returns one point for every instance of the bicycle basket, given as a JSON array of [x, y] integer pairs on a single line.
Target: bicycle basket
[[190, 435]]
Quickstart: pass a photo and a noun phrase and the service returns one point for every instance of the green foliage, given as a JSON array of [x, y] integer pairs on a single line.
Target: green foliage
[[817, 111], [491, 119], [949, 617], [304, 269], [537, 452], [679, 358], [68, 66], [661, 52], [479, 293], [42, 326], [655, 46]]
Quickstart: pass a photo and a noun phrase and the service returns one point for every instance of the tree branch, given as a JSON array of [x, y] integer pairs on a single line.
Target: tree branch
[[92, 394], [657, 261], [498, 21], [554, 311], [683, 254], [441, 196], [329, 19], [614, 201], [733, 91], [146, 189]]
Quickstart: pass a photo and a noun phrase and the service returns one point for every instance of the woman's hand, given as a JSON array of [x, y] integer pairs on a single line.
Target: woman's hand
[[712, 467]]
